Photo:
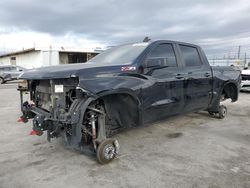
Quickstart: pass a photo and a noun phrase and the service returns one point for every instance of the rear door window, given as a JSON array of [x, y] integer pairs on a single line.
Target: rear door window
[[190, 56]]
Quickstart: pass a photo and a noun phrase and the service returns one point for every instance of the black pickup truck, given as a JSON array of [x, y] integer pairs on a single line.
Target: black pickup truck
[[125, 86]]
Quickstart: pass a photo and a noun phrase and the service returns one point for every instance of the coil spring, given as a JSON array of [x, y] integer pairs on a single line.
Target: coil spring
[[89, 119]]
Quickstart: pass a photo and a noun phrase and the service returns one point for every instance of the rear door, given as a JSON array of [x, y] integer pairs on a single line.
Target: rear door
[[198, 78], [165, 96]]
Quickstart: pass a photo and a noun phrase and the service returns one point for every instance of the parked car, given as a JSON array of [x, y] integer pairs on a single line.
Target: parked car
[[245, 76], [126, 86], [9, 73]]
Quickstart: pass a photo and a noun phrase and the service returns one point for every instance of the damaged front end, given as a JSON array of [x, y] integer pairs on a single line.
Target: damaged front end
[[61, 108]]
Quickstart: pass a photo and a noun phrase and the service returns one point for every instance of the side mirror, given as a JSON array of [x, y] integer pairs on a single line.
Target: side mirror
[[20, 70], [152, 63]]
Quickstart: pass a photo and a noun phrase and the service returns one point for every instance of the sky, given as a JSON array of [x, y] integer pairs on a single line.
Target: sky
[[219, 26]]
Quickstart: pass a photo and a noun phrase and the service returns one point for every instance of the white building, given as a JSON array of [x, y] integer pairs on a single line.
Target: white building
[[40, 57]]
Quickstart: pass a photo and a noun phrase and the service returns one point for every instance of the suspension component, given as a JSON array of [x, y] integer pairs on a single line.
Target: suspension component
[[94, 126], [92, 122]]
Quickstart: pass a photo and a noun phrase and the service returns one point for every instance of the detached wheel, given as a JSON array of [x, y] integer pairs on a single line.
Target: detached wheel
[[106, 151], [1, 81], [222, 111]]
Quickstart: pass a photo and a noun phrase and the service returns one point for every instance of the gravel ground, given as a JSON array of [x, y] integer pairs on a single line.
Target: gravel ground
[[193, 150]]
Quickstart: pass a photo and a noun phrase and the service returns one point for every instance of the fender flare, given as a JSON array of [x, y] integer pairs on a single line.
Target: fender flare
[[130, 107], [234, 85], [214, 107]]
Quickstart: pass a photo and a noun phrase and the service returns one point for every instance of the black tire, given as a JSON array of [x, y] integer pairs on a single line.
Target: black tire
[[106, 151], [222, 111], [2, 81]]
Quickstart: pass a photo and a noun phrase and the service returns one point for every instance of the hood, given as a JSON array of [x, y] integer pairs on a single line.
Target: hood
[[86, 70]]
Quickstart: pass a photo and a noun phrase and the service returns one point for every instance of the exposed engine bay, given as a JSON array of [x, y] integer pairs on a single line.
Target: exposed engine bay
[[62, 109]]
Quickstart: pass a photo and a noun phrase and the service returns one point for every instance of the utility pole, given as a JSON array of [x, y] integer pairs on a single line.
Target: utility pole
[[239, 52], [245, 60], [50, 54]]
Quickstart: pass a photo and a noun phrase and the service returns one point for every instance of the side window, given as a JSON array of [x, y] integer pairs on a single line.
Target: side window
[[163, 55], [6, 69], [13, 69], [190, 56]]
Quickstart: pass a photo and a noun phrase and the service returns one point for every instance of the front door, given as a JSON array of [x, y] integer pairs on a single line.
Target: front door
[[165, 95]]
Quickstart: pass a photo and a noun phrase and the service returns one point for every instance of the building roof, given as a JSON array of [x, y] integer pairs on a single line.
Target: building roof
[[18, 52], [62, 50]]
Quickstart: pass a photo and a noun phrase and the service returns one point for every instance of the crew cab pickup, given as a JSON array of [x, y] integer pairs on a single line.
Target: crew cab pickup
[[123, 87]]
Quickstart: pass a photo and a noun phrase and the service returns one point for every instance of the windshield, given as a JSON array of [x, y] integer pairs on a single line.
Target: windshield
[[120, 55]]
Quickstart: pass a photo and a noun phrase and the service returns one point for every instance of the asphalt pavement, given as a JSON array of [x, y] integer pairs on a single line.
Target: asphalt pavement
[[192, 150]]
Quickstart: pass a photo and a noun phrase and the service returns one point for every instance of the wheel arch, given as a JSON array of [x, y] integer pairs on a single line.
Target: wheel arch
[[122, 110], [231, 91]]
